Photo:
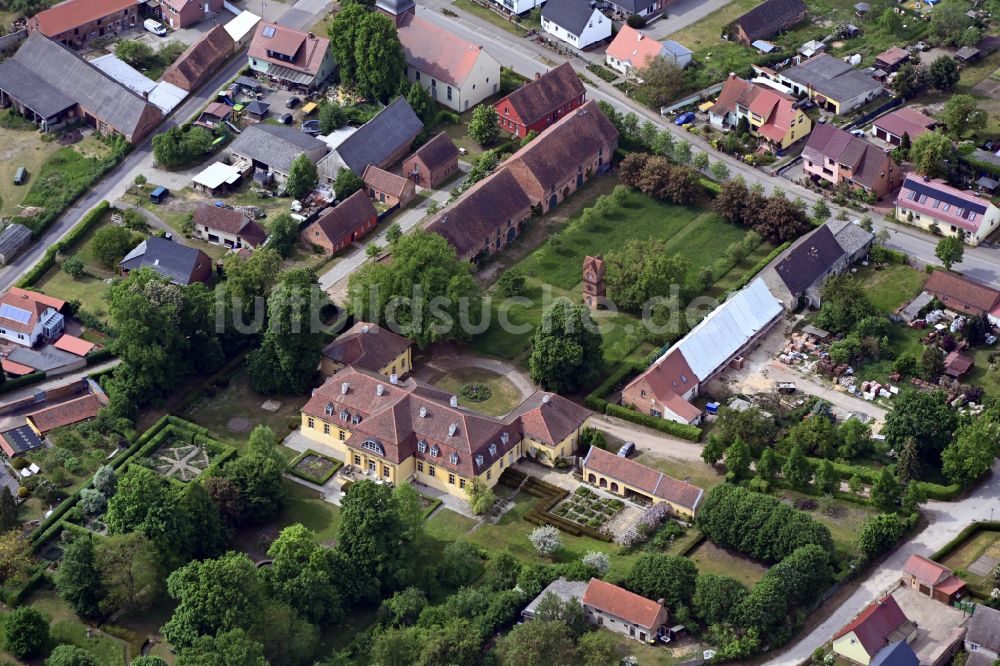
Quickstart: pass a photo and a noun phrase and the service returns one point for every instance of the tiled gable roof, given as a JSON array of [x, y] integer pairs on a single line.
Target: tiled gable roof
[[229, 221], [384, 181], [621, 603], [340, 221], [549, 418], [374, 142], [875, 624], [171, 259], [866, 162], [984, 628], [200, 60], [437, 152], [72, 13], [67, 413], [541, 97], [435, 51], [274, 145], [30, 302], [957, 292], [809, 260], [646, 479], [307, 51], [944, 202], [905, 121]]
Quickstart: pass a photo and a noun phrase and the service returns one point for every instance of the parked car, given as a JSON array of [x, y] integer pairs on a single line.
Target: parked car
[[154, 27], [685, 118], [627, 449], [310, 127], [292, 102], [20, 176], [858, 133], [285, 119]]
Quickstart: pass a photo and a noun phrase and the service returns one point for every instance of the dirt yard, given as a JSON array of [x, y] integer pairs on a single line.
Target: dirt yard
[[20, 148]]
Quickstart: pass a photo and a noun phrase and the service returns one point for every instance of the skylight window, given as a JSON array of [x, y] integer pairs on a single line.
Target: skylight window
[[268, 31]]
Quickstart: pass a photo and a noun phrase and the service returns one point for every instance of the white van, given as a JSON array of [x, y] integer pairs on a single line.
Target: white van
[[154, 27]]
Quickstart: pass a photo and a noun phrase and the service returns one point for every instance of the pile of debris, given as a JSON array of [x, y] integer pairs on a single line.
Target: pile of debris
[[253, 212], [870, 390]]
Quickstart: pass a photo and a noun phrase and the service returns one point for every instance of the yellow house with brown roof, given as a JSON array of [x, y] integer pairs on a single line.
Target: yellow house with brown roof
[[399, 430], [371, 347]]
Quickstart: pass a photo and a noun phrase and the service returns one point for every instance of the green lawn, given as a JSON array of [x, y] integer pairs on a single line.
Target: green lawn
[[20, 148], [66, 627], [504, 395], [985, 373], [986, 542], [697, 473], [553, 269], [447, 525], [715, 560], [238, 399], [92, 292], [844, 520], [892, 286]]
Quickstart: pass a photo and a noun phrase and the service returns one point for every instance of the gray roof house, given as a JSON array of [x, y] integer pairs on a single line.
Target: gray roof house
[[178, 263], [577, 22], [51, 85], [562, 588], [799, 273], [273, 148], [12, 241], [638, 7], [832, 83], [982, 636], [382, 141]]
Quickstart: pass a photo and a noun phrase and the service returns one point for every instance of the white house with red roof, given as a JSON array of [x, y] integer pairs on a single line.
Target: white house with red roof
[[771, 114], [934, 205], [623, 612], [879, 625], [631, 49], [291, 57], [28, 316], [456, 72]]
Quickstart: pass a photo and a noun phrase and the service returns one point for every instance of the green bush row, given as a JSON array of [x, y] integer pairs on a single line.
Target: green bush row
[[23, 380], [941, 493], [73, 237], [934, 491], [541, 513], [682, 430], [751, 273], [15, 596], [99, 356], [963, 536], [435, 503]]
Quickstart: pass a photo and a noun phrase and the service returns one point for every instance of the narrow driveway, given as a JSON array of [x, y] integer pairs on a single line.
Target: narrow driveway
[[656, 443], [682, 14], [946, 519]]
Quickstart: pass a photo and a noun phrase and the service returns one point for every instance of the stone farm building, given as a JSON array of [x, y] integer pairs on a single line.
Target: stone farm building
[[273, 148], [227, 227], [666, 388], [382, 141], [184, 13], [768, 19], [52, 86], [492, 213], [409, 430], [540, 103]]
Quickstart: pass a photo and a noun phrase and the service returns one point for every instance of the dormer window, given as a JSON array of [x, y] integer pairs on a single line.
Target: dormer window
[[435, 451], [356, 419], [504, 438], [328, 410], [422, 446], [493, 449], [453, 458], [344, 415], [479, 460]]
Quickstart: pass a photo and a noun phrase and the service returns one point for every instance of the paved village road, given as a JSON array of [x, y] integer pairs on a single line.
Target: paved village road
[[528, 58], [140, 161]]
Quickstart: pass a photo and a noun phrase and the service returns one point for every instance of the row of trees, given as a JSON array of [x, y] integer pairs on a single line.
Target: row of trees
[[774, 217], [656, 176]]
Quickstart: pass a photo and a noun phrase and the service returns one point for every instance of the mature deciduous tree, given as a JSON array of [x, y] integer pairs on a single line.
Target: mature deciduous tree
[[378, 56], [70, 655], [642, 270], [15, 555], [880, 534], [661, 576], [943, 74], [369, 533], [971, 454], [228, 648], [924, 416], [27, 632], [715, 597], [662, 80], [929, 154], [78, 578], [181, 145], [961, 114], [546, 539], [537, 642], [302, 177], [130, 574], [483, 127], [566, 349], [111, 243]]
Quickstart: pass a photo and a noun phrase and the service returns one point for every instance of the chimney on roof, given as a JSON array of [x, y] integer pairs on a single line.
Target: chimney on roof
[[311, 35], [452, 429], [641, 36], [366, 328], [380, 390], [453, 401], [661, 601], [423, 412], [545, 399], [343, 387], [537, 75], [394, 378]]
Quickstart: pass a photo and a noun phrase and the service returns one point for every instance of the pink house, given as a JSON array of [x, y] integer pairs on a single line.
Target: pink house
[[833, 155]]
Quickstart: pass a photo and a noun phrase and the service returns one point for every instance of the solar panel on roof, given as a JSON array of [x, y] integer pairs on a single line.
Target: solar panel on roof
[[926, 189], [268, 31], [16, 314]]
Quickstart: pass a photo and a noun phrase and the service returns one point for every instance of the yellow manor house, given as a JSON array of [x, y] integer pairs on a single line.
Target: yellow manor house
[[400, 430]]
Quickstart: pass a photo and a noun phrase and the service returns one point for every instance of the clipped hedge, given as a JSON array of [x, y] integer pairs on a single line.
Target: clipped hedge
[[15, 596], [318, 480], [595, 399], [751, 273], [967, 533], [71, 238], [682, 430], [936, 491], [98, 356], [541, 513], [23, 380]]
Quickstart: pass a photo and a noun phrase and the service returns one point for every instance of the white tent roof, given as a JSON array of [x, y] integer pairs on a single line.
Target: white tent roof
[[164, 95], [241, 25], [728, 328], [217, 174]]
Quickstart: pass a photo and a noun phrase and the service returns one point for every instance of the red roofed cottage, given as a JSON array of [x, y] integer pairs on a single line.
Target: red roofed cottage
[[612, 607], [538, 104], [881, 623], [75, 22]]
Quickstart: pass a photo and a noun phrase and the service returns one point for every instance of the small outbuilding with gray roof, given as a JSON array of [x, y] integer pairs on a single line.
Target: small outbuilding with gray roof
[[13, 239], [178, 263], [273, 148], [382, 141]]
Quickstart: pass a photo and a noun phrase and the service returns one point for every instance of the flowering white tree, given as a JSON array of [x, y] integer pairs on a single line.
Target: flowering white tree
[[597, 561], [546, 540]]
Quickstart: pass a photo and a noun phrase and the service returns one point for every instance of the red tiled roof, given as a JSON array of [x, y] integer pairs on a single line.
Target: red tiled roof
[[549, 418], [308, 51], [595, 264], [960, 293], [200, 59], [633, 46], [892, 56], [73, 345], [905, 121], [644, 478], [367, 346], [543, 96], [623, 604], [435, 51], [343, 219], [866, 162], [926, 571], [669, 379], [15, 368], [218, 110], [66, 413], [383, 181], [957, 364], [74, 13], [30, 301], [875, 624], [437, 152]]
